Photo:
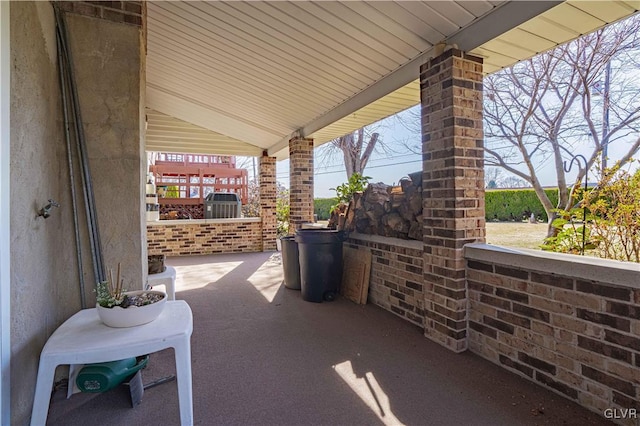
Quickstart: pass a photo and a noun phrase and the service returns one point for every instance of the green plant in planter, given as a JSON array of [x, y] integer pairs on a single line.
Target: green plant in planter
[[105, 297], [108, 295]]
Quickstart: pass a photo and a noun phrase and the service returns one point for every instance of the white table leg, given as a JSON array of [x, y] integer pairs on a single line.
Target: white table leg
[[42, 396], [183, 376]]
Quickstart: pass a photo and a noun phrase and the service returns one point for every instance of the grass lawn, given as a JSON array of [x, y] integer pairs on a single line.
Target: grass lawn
[[511, 234], [516, 234]]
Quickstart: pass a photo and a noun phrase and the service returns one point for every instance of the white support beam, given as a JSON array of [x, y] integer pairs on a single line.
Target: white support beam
[[281, 149], [502, 19], [5, 277]]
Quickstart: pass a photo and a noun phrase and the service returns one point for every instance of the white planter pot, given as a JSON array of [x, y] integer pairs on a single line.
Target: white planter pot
[[133, 315]]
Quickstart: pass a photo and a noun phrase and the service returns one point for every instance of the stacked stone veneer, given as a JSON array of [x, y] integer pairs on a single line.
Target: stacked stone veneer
[[268, 202], [396, 275], [453, 188], [300, 183], [569, 324], [205, 237]]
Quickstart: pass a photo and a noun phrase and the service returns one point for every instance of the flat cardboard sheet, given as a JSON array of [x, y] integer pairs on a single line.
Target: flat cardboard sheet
[[355, 274]]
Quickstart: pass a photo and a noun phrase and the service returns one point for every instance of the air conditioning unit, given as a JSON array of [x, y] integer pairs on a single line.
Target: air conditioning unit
[[221, 205]]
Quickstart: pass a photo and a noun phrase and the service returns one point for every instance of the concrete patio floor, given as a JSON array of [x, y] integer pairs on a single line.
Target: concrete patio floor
[[263, 356]]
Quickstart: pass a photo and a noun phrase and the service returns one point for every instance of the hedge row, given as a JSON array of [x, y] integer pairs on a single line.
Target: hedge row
[[516, 204], [322, 207], [500, 205]]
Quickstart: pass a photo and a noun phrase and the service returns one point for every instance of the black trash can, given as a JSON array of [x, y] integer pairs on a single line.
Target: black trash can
[[290, 262], [320, 252]]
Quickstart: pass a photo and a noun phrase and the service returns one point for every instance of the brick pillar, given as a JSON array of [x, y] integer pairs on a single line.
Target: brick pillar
[[453, 188], [300, 182], [268, 202]]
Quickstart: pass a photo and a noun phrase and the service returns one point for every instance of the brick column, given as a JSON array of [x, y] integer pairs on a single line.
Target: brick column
[[268, 202], [453, 188], [300, 182]]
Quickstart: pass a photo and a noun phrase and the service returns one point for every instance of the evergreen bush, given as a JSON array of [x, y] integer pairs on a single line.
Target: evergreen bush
[[515, 205]]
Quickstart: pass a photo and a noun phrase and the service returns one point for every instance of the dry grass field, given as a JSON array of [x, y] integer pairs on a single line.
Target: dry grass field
[[512, 234], [516, 234]]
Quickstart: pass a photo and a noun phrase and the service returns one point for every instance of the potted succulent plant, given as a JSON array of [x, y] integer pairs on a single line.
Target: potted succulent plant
[[120, 308]]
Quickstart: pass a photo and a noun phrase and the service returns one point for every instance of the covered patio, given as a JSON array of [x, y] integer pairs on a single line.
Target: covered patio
[[256, 78], [261, 355]]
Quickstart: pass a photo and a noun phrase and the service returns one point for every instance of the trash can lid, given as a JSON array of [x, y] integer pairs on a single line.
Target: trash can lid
[[319, 236], [310, 225]]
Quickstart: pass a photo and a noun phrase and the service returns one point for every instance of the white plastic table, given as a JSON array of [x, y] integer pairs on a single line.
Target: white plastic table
[[84, 339], [166, 278]]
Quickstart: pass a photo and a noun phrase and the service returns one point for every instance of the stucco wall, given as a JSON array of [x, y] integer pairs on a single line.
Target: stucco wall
[[44, 281], [44, 278], [107, 62]]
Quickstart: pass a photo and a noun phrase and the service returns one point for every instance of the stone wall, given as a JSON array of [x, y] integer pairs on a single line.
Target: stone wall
[[209, 236], [396, 275], [568, 323]]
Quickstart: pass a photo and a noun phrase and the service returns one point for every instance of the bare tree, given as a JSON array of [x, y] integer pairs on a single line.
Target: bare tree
[[514, 182], [493, 177], [356, 149], [411, 120], [549, 108]]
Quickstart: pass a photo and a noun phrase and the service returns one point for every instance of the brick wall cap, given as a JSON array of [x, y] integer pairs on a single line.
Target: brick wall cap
[[587, 268], [203, 221], [398, 242]]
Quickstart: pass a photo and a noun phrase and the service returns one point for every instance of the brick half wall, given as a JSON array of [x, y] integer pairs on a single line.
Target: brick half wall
[[184, 238], [396, 282], [569, 323]]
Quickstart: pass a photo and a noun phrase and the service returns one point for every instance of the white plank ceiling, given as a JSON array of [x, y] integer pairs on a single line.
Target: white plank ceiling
[[242, 77]]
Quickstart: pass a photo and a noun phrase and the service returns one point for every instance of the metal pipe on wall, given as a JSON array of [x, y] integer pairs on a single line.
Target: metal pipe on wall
[[74, 202], [87, 185]]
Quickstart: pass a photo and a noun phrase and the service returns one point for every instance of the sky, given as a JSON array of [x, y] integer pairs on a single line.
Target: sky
[[383, 167], [387, 167]]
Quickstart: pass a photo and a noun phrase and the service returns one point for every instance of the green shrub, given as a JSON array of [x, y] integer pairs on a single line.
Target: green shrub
[[322, 207], [615, 206], [282, 211], [613, 219], [172, 192], [570, 234], [516, 204], [356, 183]]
